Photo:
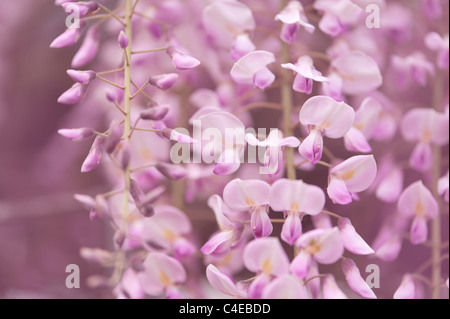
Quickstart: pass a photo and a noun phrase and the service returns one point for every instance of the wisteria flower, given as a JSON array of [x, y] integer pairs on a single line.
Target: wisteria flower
[[337, 15], [355, 280], [295, 198], [353, 175], [321, 245], [323, 116], [414, 66], [440, 44], [305, 74], [418, 203], [252, 69], [366, 121], [293, 17], [251, 196], [443, 186], [426, 127], [162, 275], [229, 234], [274, 144], [267, 258]]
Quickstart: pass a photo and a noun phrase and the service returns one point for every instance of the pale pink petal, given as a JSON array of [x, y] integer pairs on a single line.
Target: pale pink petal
[[338, 192], [443, 186], [417, 200], [216, 203], [419, 230], [332, 117], [421, 158], [301, 264], [88, 50], [426, 125], [227, 163], [390, 249], [242, 195], [330, 25], [219, 243], [314, 283], [225, 19], [351, 239], [312, 146], [221, 282], [285, 287], [260, 223], [244, 70], [266, 255], [204, 98], [242, 46], [367, 116], [330, 289], [354, 279], [289, 32], [257, 286], [263, 78], [391, 186], [407, 288], [360, 72], [358, 172], [355, 141], [324, 244], [322, 221], [292, 229], [296, 196], [95, 155], [160, 272]]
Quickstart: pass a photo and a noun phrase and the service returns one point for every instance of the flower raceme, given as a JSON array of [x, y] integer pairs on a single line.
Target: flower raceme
[[203, 81]]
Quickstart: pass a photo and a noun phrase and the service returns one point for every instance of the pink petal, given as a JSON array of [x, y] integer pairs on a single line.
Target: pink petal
[[77, 134], [330, 289], [419, 230], [338, 192], [224, 19], [417, 200], [360, 72], [301, 264], [227, 163], [244, 70], [257, 286], [312, 146], [358, 172], [182, 61], [367, 116], [216, 203], [289, 32], [263, 78], [221, 282], [390, 249], [68, 38], [296, 196], [164, 81], [322, 221], [407, 288], [266, 255], [242, 195], [355, 281], [73, 95], [421, 158], [330, 25], [160, 272], [260, 222], [426, 125], [351, 239], [95, 155], [334, 118], [443, 186], [285, 287], [355, 141], [88, 50], [242, 46], [324, 244], [83, 77], [391, 186], [218, 244], [123, 40], [292, 229]]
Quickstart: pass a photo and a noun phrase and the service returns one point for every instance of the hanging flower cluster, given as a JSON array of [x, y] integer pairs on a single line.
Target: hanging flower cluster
[[187, 90]]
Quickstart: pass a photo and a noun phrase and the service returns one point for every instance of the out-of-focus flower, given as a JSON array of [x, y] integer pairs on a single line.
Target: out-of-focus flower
[[355, 281], [293, 17], [426, 127], [418, 203]]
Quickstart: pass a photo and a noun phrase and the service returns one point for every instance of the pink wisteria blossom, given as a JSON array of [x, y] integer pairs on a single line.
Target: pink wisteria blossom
[[277, 149]]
